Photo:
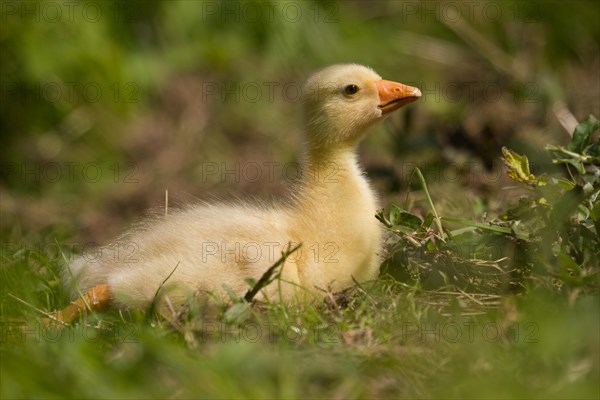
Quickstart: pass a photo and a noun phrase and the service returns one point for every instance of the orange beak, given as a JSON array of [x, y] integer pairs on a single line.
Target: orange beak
[[393, 95]]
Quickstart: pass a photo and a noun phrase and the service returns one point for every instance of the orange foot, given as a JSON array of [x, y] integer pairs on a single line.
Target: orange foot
[[97, 299]]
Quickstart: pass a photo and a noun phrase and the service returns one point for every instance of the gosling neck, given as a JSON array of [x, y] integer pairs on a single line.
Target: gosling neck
[[332, 175], [339, 159]]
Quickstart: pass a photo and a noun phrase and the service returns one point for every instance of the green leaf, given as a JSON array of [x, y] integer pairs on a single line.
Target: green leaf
[[521, 231], [594, 151], [430, 246], [592, 177], [565, 207], [237, 313], [524, 208], [563, 183], [595, 212], [230, 293], [428, 220], [487, 227], [582, 135], [455, 233], [399, 216], [380, 216], [549, 195], [395, 212], [561, 155], [518, 168]]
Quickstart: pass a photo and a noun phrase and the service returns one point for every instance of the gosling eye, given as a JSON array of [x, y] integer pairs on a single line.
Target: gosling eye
[[351, 90]]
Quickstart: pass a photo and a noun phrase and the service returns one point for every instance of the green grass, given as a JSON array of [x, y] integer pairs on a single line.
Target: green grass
[[385, 339]]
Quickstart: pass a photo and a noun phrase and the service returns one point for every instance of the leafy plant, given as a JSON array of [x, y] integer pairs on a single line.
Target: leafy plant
[[558, 225], [550, 237]]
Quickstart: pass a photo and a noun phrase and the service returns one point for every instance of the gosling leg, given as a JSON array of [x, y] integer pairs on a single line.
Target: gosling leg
[[98, 299]]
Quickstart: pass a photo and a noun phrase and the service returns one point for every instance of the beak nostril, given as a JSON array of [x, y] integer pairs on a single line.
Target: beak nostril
[[393, 95]]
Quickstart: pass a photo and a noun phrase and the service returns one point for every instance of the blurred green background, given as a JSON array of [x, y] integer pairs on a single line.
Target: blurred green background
[[105, 105]]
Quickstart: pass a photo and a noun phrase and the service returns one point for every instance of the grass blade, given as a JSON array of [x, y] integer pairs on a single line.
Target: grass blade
[[265, 279], [437, 219], [487, 227]]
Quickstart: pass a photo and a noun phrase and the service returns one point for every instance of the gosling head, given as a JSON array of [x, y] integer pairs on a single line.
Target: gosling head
[[342, 101]]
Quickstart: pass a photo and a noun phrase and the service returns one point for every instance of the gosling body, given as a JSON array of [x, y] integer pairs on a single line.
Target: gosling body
[[213, 248]]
